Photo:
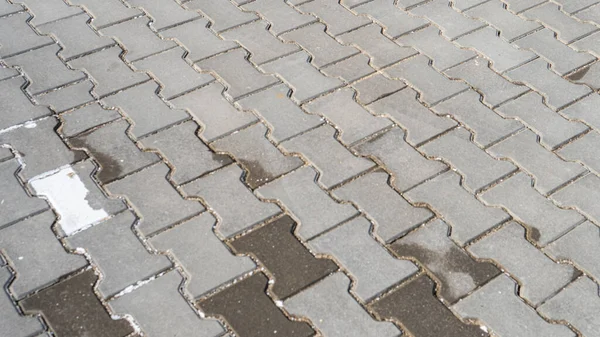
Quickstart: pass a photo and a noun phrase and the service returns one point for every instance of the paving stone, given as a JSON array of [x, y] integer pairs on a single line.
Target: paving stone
[[164, 14], [137, 38], [16, 25], [588, 76], [259, 317], [591, 13], [304, 79], [477, 168], [511, 26], [404, 109], [391, 214], [45, 11], [314, 210], [333, 161], [72, 309], [279, 14], [350, 69], [577, 304], [210, 109], [495, 304], [75, 197], [158, 204], [375, 87], [538, 275], [179, 77], [345, 113], [8, 8], [36, 254], [117, 155], [110, 73], [85, 118], [285, 119], [395, 22], [6, 72], [463, 5], [526, 153], [240, 77], [337, 18], [352, 3], [323, 304], [408, 167], [76, 36], [584, 110], [494, 88], [13, 324], [503, 55], [147, 111], [545, 221], [16, 107], [289, 262], [574, 6], [518, 6], [205, 259], [44, 69], [451, 22], [415, 306], [68, 97], [464, 213], [552, 128], [237, 207], [260, 42], [199, 40], [584, 150], [562, 58], [444, 53], [433, 86], [382, 50], [568, 29], [107, 12], [189, 161], [170, 314], [588, 44], [570, 197], [458, 273]]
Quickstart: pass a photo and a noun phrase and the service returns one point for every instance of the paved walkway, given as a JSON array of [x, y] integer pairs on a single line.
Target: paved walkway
[[299, 168]]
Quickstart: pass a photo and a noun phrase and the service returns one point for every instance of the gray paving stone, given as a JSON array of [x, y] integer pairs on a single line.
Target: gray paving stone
[[496, 304], [350, 69], [588, 44], [451, 22], [16, 25], [503, 55], [337, 18], [199, 40], [76, 36], [118, 253], [463, 5], [164, 14], [205, 259], [584, 110], [110, 73], [538, 275], [237, 207], [239, 75], [44, 69], [395, 21], [260, 42], [107, 12], [15, 204], [45, 11], [568, 29], [285, 119], [117, 155], [380, 49], [392, 215], [189, 161], [314, 210], [511, 26], [518, 6], [36, 254], [562, 58], [477, 168], [494, 88], [282, 16], [545, 220], [304, 79], [548, 170], [171, 314], [8, 8], [16, 107], [147, 111], [376, 87], [591, 13], [263, 160], [588, 76], [408, 167], [179, 77], [444, 53], [433, 86], [13, 323], [462, 211], [352, 3], [5, 154], [7, 72], [576, 5], [334, 162], [210, 109], [82, 119], [581, 194], [68, 97], [323, 304], [584, 150], [222, 14], [552, 128]]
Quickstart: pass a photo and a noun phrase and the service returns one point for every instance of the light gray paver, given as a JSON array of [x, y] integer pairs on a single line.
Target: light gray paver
[[85, 118], [587, 75], [8, 8], [28, 39], [282, 16], [579, 246], [45, 11], [395, 21], [222, 13], [463, 5], [585, 150], [14, 324], [510, 25], [16, 107], [337, 18], [106, 12], [584, 110], [591, 13], [518, 6], [588, 44], [164, 14], [376, 87], [451, 22], [567, 28], [67, 97], [575, 5], [581, 194], [16, 203], [350, 69]]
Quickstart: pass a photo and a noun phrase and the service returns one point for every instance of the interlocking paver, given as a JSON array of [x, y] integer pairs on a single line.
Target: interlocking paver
[[510, 25], [282, 16], [45, 11], [518, 6], [107, 12], [375, 87], [395, 22], [222, 14], [588, 44], [8, 8], [68, 97], [581, 194], [584, 150], [567, 28], [463, 5], [85, 118], [28, 40], [574, 6], [583, 110], [580, 247], [7, 72], [587, 76], [164, 14], [590, 13], [350, 69], [16, 107], [452, 23], [13, 323], [337, 18]]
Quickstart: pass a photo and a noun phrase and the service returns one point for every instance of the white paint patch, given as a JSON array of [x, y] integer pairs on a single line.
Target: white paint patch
[[65, 191]]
